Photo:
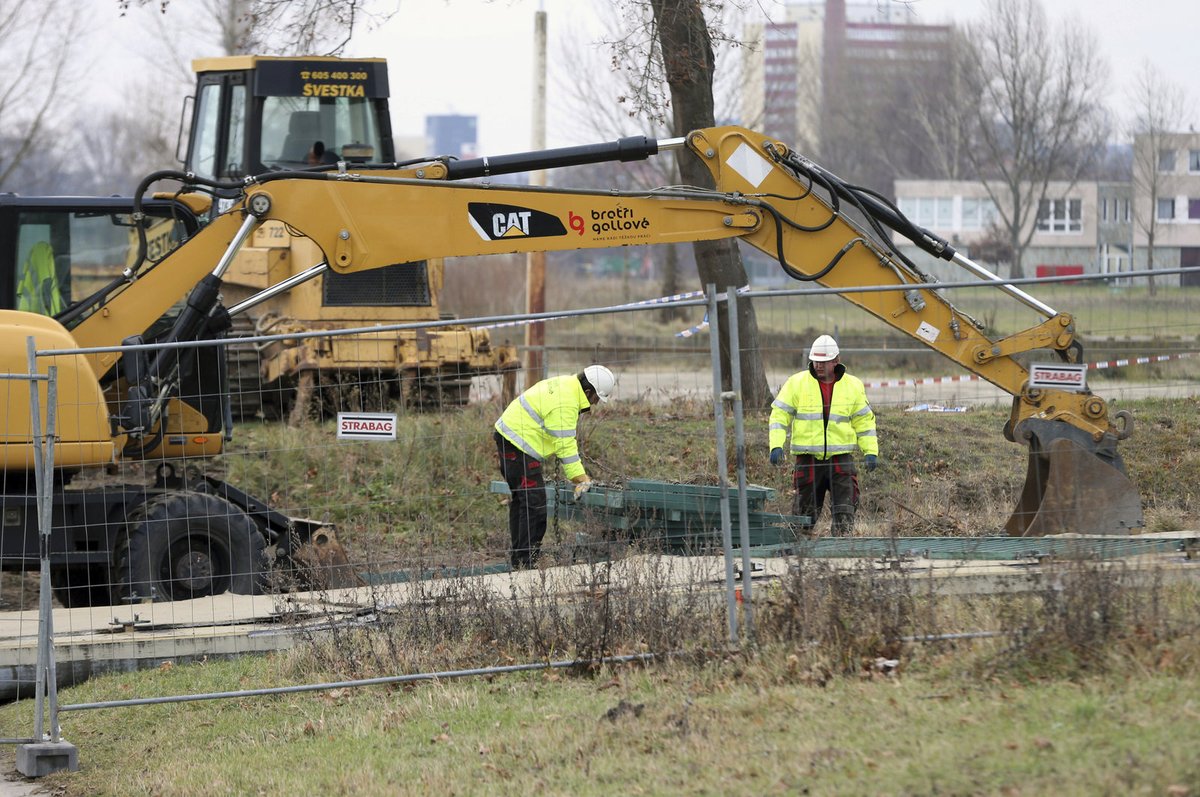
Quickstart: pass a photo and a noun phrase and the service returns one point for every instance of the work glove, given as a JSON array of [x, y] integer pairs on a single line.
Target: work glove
[[872, 462], [776, 456], [582, 487]]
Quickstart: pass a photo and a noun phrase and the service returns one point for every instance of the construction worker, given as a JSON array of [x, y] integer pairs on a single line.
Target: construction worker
[[537, 424], [827, 413]]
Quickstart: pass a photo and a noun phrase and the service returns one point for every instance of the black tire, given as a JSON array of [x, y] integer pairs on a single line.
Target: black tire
[[189, 545], [81, 586]]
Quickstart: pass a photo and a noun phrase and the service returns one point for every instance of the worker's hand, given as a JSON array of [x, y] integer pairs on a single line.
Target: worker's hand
[[582, 486], [872, 462], [776, 456]]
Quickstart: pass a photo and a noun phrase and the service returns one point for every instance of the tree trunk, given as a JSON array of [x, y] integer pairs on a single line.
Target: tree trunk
[[670, 284], [688, 62]]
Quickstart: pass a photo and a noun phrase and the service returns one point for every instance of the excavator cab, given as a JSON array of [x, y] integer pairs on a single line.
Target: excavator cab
[[254, 114], [65, 257]]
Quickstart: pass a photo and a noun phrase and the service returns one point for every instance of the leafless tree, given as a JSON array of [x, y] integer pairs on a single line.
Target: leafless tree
[[35, 42], [1159, 107], [669, 49], [1040, 116], [286, 27]]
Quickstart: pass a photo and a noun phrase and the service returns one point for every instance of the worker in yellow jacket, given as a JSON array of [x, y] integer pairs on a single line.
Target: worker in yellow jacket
[[539, 423], [826, 411]]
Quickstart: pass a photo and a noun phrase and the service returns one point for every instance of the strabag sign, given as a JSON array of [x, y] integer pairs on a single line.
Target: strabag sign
[[1058, 375], [366, 426]]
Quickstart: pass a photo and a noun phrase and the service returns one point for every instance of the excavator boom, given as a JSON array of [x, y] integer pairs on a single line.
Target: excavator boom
[[817, 227]]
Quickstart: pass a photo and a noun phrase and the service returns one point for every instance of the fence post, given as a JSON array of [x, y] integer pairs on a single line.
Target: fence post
[[739, 439], [48, 752], [714, 334]]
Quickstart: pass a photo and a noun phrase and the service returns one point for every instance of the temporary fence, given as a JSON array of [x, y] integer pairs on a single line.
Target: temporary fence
[[299, 523]]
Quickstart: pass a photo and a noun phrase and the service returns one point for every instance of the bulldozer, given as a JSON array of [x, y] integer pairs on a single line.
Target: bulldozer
[[253, 114], [189, 534]]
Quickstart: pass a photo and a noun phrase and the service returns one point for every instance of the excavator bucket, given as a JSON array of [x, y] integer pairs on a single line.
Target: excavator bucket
[[323, 562], [1073, 485]]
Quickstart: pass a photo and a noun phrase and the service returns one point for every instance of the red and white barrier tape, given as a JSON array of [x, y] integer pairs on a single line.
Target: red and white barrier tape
[[1096, 366]]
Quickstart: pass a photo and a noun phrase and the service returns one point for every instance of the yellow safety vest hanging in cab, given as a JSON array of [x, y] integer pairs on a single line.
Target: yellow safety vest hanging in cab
[[542, 420], [37, 290], [798, 406]]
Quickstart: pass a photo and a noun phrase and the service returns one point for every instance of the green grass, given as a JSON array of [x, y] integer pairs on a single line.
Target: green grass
[[948, 473], [747, 725]]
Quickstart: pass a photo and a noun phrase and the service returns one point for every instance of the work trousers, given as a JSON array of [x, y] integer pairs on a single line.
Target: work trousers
[[527, 509], [813, 478]]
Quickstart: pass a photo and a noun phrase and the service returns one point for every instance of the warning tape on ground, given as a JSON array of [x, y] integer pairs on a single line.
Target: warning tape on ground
[[1096, 366]]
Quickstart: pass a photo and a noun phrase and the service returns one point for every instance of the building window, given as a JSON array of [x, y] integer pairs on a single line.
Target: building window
[[1104, 209], [1166, 210], [931, 212], [1166, 160], [1194, 209], [1060, 215], [977, 214], [1128, 216], [1194, 160]]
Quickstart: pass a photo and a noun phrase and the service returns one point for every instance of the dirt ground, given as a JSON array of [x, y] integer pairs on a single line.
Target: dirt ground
[[18, 591]]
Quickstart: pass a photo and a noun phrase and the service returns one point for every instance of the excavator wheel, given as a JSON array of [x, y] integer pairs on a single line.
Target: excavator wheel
[[1073, 484], [184, 545]]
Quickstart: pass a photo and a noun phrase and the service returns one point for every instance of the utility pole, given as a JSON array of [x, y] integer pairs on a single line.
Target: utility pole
[[535, 263]]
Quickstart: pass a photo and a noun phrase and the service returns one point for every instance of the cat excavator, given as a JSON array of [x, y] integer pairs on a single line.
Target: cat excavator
[[124, 403]]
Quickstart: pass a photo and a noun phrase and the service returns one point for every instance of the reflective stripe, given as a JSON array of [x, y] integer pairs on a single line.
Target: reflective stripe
[[778, 426], [569, 460], [560, 432], [516, 440], [810, 416], [845, 449], [786, 408], [868, 433], [863, 411], [836, 418], [532, 412]]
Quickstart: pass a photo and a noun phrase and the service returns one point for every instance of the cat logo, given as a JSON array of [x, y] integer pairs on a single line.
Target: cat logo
[[496, 222]]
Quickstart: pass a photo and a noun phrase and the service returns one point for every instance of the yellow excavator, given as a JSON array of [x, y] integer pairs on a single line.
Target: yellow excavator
[[362, 217]]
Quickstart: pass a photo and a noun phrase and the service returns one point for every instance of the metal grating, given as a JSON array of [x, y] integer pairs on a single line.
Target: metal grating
[[398, 285]]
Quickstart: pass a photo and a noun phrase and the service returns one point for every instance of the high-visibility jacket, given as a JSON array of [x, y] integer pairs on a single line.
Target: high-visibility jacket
[[798, 407], [542, 420], [37, 289]]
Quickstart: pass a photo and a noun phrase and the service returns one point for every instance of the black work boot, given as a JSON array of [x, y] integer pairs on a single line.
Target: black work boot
[[843, 525]]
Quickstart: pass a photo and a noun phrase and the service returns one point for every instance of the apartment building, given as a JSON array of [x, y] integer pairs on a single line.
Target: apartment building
[[1090, 227]]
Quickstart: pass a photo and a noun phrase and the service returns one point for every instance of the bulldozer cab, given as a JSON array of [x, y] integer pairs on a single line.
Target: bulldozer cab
[[253, 114]]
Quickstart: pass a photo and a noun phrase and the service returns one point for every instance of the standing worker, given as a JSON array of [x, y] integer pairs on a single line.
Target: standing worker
[[829, 417], [537, 424]]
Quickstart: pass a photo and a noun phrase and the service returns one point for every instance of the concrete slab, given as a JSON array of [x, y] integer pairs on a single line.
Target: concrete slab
[[39, 759]]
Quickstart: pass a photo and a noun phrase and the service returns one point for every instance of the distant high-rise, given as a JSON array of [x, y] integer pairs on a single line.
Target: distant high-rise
[[452, 134], [826, 55]]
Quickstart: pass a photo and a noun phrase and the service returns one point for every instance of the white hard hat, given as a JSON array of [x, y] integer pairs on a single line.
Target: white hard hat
[[601, 380], [823, 349]]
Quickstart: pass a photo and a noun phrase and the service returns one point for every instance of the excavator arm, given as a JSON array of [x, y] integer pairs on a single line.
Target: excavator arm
[[817, 227]]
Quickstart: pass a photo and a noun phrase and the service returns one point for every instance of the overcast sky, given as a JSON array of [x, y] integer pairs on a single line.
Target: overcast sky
[[475, 57]]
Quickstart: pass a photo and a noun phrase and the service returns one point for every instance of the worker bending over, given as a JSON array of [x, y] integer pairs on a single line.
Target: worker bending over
[[537, 424], [827, 411]]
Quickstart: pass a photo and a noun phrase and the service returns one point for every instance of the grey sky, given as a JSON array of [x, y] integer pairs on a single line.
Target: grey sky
[[475, 57]]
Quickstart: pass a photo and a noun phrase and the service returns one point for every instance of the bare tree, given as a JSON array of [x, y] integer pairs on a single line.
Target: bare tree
[[1040, 116], [285, 27], [668, 48], [1159, 107], [35, 41]]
